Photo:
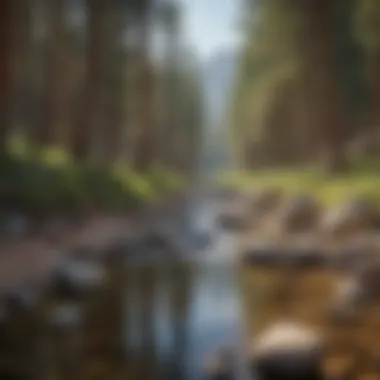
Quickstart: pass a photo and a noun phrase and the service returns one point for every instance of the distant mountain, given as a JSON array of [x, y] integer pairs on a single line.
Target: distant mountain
[[218, 77], [218, 74]]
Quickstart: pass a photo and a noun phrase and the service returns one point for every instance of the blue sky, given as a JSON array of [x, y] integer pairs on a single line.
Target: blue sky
[[210, 25]]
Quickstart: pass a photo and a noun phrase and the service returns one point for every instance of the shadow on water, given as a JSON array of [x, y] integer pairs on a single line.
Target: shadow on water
[[182, 310]]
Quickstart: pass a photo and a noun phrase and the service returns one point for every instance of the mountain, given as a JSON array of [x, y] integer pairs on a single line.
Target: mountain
[[218, 76]]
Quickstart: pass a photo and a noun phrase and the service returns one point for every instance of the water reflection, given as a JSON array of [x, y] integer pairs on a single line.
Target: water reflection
[[184, 309], [151, 315]]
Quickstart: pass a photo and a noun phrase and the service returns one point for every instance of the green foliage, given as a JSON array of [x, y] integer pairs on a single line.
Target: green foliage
[[52, 183], [275, 54], [271, 58], [367, 24]]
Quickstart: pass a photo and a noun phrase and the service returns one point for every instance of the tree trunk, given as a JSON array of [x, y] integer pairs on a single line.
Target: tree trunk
[[92, 101], [144, 152], [117, 94], [22, 62], [325, 84], [374, 134], [5, 70], [55, 70]]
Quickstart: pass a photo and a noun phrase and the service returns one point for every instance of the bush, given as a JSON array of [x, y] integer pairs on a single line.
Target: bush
[[46, 185]]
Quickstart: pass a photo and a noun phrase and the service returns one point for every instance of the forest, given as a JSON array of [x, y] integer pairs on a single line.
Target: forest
[[308, 84], [90, 116]]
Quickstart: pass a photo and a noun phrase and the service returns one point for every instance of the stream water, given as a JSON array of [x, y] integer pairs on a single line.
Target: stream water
[[212, 301]]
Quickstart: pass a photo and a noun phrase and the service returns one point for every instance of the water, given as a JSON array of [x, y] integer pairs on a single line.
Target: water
[[211, 301]]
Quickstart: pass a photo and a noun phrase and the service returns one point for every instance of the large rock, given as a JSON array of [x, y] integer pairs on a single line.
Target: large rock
[[356, 215], [287, 351], [298, 214]]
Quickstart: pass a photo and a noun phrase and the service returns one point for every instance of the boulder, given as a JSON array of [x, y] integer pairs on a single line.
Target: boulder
[[298, 214], [264, 201], [356, 215], [287, 351]]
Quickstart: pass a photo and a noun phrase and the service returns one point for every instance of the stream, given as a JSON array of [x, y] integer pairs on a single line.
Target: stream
[[212, 316]]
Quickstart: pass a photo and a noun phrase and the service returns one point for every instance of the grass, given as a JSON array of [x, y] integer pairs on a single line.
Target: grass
[[52, 183], [361, 180]]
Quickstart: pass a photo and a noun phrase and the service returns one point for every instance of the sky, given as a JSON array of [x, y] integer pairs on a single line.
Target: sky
[[210, 25]]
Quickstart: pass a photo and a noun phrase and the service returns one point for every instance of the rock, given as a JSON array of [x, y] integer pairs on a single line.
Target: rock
[[361, 288], [356, 215], [264, 201], [287, 351], [298, 214], [75, 279], [221, 366], [235, 217], [272, 255]]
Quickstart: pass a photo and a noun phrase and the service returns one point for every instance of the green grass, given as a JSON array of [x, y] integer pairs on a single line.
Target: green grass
[[362, 180]]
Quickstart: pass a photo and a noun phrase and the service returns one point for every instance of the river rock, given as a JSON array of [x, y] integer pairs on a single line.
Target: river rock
[[356, 215], [288, 351], [298, 214]]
